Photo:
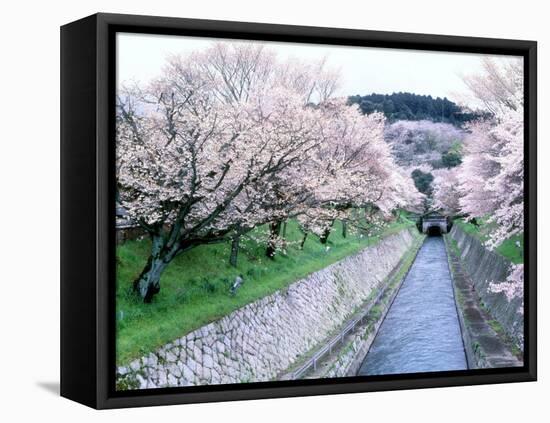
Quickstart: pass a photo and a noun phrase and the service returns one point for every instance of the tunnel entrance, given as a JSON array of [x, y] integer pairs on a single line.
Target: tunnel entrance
[[434, 224], [434, 231]]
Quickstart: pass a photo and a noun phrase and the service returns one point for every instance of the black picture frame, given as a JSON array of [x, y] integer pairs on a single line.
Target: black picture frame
[[87, 209]]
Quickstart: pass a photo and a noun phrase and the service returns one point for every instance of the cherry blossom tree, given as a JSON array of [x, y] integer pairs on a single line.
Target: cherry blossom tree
[[235, 71], [491, 176], [340, 174], [192, 168], [229, 139], [499, 87], [446, 193], [416, 143], [512, 287], [355, 170]]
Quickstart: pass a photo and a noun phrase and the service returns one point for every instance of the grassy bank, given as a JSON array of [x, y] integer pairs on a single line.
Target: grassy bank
[[195, 287], [507, 249]]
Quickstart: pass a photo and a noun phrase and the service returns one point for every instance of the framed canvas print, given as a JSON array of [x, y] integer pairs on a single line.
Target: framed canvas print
[[255, 211]]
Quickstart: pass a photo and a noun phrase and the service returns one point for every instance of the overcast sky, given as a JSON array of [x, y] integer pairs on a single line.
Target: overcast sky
[[140, 57]]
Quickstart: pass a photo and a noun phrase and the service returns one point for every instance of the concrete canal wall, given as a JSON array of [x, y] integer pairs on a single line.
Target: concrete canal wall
[[483, 267]]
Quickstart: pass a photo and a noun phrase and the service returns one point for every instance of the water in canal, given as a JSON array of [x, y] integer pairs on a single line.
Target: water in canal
[[421, 332]]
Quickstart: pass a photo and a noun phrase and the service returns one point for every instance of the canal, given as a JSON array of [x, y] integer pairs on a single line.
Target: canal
[[421, 331]]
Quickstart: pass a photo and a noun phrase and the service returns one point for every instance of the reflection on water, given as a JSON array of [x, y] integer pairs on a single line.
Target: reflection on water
[[421, 332]]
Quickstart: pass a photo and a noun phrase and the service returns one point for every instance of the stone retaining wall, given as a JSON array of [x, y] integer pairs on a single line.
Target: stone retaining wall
[[347, 360], [263, 339], [485, 266], [483, 345]]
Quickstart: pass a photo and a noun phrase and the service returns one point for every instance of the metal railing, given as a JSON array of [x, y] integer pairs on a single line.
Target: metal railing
[[312, 362]]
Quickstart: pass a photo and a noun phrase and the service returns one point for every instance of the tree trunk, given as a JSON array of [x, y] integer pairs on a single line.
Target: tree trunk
[[275, 230], [283, 235], [344, 229], [234, 249], [303, 241], [148, 282], [323, 238]]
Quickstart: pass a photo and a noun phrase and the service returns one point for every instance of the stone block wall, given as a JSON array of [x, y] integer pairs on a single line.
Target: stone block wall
[[485, 266], [264, 338]]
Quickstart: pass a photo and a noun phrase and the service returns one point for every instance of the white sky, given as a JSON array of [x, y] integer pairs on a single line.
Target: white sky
[[140, 57]]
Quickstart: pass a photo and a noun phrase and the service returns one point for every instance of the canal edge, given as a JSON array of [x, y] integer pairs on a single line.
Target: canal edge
[[485, 348], [467, 344], [346, 357], [388, 306]]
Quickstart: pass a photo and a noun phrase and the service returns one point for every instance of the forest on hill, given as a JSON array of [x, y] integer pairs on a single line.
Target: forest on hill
[[409, 106]]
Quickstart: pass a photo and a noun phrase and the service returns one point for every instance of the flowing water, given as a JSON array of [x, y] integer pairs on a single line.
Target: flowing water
[[421, 332]]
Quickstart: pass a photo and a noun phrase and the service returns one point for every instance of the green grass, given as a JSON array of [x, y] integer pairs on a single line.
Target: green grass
[[507, 249], [510, 250], [496, 326], [195, 286]]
